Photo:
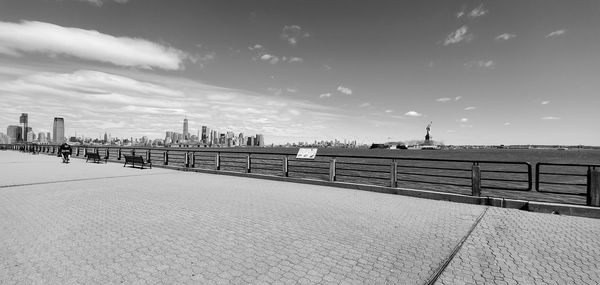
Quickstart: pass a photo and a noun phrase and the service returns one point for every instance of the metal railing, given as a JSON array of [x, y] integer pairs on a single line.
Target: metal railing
[[566, 179], [379, 170]]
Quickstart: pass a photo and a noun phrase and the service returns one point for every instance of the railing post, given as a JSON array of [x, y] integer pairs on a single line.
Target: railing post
[[119, 153], [77, 152], [476, 180], [187, 159], [537, 176], [166, 157], [393, 174], [593, 185], [248, 163], [193, 159], [285, 166], [148, 155], [217, 161], [132, 151], [332, 170], [107, 153]]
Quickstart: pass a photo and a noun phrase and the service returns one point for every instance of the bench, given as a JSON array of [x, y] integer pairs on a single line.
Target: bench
[[95, 157], [136, 159]]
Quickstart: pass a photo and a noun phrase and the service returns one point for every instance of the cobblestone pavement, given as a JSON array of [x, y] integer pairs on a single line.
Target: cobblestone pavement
[[107, 224], [516, 247]]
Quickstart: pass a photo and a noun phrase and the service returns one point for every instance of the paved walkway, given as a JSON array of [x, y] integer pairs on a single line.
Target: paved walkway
[[84, 223]]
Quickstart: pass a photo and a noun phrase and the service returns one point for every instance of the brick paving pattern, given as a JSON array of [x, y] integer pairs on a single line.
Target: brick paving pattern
[[105, 224]]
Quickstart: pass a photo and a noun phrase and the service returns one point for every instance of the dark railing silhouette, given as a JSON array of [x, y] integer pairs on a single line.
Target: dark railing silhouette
[[379, 170]]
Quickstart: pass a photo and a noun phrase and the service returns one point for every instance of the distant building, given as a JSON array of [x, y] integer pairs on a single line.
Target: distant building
[[25, 121], [14, 133], [250, 141], [42, 137], [186, 134], [58, 130], [4, 139], [260, 140]]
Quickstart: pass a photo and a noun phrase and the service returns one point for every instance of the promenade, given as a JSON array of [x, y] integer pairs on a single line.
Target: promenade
[[86, 223]]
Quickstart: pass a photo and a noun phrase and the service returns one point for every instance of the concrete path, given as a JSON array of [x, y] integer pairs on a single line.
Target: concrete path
[[84, 223]]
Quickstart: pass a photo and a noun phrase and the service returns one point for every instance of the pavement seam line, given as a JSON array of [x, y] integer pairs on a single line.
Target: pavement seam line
[[75, 180], [433, 278]]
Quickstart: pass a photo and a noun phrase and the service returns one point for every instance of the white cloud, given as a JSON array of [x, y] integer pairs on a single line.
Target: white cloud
[[443, 100], [269, 58], [389, 111], [460, 35], [556, 33], [125, 105], [480, 11], [291, 90], [100, 2], [505, 37], [413, 114], [545, 102], [325, 95], [463, 120], [470, 108], [52, 39], [364, 105], [293, 34], [295, 59], [507, 124], [481, 64], [457, 98], [550, 118], [344, 90]]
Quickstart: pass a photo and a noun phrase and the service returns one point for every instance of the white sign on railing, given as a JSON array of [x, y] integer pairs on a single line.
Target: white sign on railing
[[307, 153]]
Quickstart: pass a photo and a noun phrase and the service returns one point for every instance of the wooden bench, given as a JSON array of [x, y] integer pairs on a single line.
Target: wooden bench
[[95, 157], [136, 159]]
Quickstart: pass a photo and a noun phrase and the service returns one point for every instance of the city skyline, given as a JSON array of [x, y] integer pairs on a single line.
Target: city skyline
[[503, 72]]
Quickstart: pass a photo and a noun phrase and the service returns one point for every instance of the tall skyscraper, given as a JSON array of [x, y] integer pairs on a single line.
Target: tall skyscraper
[[260, 140], [58, 130], [14, 132], [24, 120], [186, 134], [42, 137]]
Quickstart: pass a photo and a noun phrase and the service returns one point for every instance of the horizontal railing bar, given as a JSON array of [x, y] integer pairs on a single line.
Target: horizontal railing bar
[[562, 183], [568, 164], [435, 168], [503, 171], [504, 188], [364, 170], [360, 176], [562, 193], [433, 175], [563, 174], [503, 179], [433, 182]]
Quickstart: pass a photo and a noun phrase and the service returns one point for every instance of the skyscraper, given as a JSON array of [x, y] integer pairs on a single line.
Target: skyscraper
[[186, 135], [24, 120], [260, 140], [58, 130], [14, 132]]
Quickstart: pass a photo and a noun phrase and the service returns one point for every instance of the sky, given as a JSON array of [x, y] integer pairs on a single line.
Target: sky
[[481, 72]]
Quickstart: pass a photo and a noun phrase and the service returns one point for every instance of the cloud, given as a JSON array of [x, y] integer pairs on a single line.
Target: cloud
[[325, 95], [389, 111], [413, 114], [457, 98], [480, 11], [550, 118], [505, 37], [470, 108], [291, 90], [127, 105], [364, 105], [270, 58], [507, 124], [293, 34], [463, 120], [40, 37], [460, 35], [101, 2], [295, 59], [443, 100], [344, 90], [556, 33], [545, 102], [481, 64]]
